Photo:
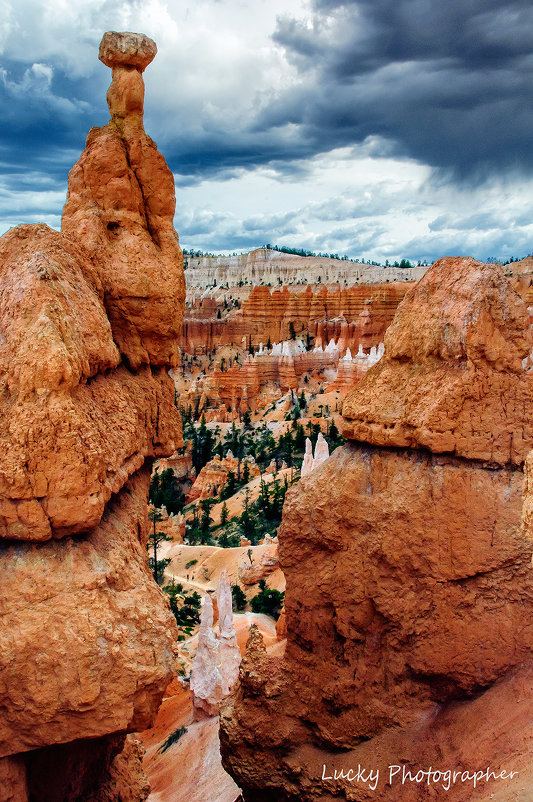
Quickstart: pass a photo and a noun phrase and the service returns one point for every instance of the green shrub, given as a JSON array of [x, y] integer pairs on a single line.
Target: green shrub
[[267, 601], [239, 598], [172, 739]]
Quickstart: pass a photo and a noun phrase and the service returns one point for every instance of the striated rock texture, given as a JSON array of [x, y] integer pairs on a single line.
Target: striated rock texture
[[263, 266], [353, 316], [88, 322], [452, 378], [408, 564]]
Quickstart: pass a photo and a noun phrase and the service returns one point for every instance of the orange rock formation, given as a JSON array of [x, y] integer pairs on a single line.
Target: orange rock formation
[[353, 319], [356, 315], [195, 758], [120, 205], [89, 322], [214, 476], [407, 556], [452, 378]]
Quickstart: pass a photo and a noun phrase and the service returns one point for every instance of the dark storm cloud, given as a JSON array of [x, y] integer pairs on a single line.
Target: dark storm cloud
[[45, 118], [446, 83], [449, 83], [225, 153]]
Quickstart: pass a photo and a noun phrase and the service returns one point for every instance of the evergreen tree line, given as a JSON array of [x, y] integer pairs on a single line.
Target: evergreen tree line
[[257, 442]]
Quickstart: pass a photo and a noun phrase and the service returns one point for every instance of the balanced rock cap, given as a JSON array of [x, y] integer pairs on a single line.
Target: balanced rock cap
[[127, 50]]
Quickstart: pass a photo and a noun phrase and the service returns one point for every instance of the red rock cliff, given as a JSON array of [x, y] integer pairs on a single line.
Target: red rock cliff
[[89, 321], [407, 557], [358, 315]]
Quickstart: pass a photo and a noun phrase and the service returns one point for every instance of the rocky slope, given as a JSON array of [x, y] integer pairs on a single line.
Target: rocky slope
[[407, 557], [195, 757], [89, 319]]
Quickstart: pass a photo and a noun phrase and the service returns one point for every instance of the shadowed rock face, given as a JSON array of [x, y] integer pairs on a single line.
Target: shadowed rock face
[[408, 566], [88, 321]]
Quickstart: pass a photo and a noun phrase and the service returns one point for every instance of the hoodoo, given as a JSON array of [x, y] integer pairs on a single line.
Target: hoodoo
[[216, 665], [407, 556], [89, 321]]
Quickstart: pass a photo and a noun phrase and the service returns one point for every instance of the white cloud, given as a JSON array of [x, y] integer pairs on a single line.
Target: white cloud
[[36, 84], [37, 205], [349, 202]]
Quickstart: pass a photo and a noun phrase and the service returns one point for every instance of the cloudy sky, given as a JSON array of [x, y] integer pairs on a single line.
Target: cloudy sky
[[372, 128]]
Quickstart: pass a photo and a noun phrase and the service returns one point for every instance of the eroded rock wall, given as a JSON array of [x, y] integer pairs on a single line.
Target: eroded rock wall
[[264, 265], [408, 565], [353, 316]]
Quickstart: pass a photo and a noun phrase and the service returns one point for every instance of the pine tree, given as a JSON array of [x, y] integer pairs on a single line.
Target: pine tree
[[206, 520], [164, 491], [224, 515], [202, 445], [267, 601], [230, 487], [154, 539], [299, 438]]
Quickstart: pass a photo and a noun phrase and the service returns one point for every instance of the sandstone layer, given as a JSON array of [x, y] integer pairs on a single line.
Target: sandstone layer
[[352, 316], [452, 378], [297, 336], [89, 319], [408, 567], [264, 265], [120, 205]]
